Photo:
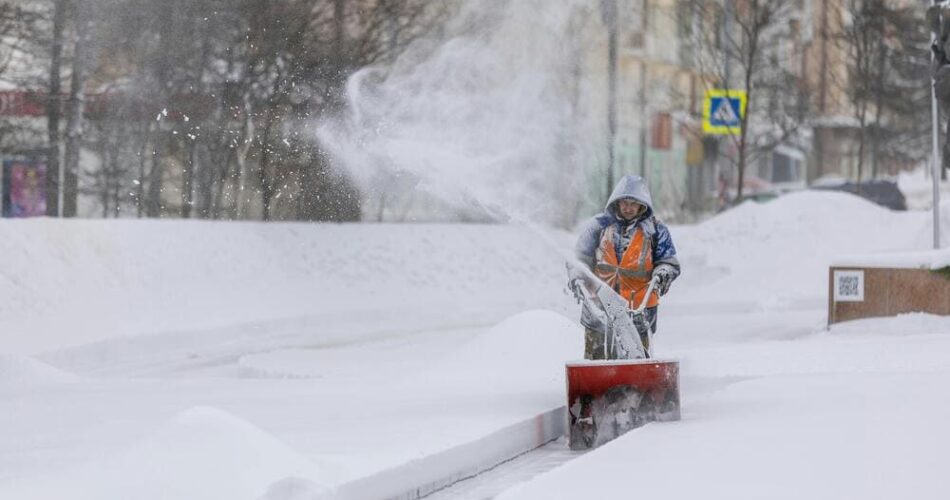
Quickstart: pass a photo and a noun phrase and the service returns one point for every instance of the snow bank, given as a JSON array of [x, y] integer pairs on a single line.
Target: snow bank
[[295, 488], [526, 350], [925, 259], [67, 282], [863, 346], [917, 188], [523, 352], [426, 474], [897, 326], [203, 452], [781, 250], [77, 281], [24, 370]]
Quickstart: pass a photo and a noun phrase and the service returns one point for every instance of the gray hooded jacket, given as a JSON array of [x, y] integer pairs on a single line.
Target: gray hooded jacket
[[632, 187]]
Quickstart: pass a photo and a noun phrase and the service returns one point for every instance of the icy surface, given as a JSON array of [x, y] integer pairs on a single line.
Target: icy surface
[[234, 361]]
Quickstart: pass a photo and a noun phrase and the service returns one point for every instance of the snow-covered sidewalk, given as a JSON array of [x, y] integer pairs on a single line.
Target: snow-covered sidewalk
[[325, 416], [858, 412], [214, 360]]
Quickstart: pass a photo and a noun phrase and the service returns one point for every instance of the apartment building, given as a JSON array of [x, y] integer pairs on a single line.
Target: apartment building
[[664, 69], [835, 146], [658, 97]]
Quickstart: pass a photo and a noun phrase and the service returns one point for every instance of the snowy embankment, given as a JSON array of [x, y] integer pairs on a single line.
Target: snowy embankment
[[327, 353], [286, 361], [72, 282]]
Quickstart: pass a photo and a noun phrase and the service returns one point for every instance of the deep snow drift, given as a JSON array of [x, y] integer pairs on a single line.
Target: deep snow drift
[[71, 282], [318, 354]]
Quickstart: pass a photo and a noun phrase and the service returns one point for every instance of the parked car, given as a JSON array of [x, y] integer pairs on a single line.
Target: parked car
[[884, 193]]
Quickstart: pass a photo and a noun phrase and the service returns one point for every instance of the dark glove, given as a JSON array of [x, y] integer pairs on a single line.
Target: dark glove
[[664, 275]]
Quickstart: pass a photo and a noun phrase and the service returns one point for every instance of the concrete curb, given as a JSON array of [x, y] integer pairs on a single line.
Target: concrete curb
[[421, 477]]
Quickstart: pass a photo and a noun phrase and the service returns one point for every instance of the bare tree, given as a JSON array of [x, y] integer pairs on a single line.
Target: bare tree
[[211, 105], [747, 45], [295, 73], [83, 14], [886, 48], [54, 109]]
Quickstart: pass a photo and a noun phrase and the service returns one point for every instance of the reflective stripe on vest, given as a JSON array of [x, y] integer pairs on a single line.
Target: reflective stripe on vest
[[607, 268]]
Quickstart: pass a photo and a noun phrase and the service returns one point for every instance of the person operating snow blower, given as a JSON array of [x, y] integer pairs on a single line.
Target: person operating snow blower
[[632, 252]]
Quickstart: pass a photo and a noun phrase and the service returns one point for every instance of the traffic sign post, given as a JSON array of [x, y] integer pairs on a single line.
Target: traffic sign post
[[723, 111]]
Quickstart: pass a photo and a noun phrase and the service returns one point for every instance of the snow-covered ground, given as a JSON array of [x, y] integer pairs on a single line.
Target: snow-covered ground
[[917, 187], [160, 359]]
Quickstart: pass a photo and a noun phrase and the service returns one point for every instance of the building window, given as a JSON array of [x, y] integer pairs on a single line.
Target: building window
[[786, 168], [661, 133]]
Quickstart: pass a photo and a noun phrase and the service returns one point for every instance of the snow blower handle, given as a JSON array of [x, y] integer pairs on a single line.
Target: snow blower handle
[[646, 298]]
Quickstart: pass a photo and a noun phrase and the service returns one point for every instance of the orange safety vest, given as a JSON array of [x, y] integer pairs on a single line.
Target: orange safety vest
[[630, 275]]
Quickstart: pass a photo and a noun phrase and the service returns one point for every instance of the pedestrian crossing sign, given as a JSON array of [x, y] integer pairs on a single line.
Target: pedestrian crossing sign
[[723, 110]]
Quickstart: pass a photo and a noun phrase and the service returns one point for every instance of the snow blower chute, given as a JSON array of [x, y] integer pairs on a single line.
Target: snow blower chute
[[606, 398]]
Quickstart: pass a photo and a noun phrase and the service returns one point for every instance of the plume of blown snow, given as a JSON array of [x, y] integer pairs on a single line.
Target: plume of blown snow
[[487, 117]]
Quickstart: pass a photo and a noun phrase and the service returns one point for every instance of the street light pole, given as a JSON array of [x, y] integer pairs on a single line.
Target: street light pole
[[726, 37], [935, 139], [608, 12]]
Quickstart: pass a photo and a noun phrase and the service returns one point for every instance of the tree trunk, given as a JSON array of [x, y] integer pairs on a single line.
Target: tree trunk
[[267, 187], [74, 111], [879, 105], [103, 175], [116, 178], [339, 27], [240, 156], [744, 133], [153, 201], [862, 138], [862, 132], [225, 172], [140, 181], [188, 180], [54, 110], [740, 166]]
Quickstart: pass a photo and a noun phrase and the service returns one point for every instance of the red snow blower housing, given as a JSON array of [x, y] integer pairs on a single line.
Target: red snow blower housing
[[606, 398]]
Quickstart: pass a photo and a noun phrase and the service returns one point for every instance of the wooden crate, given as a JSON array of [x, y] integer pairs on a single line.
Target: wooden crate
[[886, 292]]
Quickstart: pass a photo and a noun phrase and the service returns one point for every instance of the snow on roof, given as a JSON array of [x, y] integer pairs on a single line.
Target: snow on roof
[[924, 259]]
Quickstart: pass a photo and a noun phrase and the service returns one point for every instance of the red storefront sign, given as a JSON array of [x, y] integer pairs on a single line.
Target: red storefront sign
[[27, 103]]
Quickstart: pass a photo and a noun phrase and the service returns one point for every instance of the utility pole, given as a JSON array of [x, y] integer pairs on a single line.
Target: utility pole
[[608, 12], [726, 33], [54, 111], [935, 151], [644, 79]]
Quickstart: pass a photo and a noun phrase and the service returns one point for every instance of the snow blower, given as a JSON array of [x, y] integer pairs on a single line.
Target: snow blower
[[606, 398]]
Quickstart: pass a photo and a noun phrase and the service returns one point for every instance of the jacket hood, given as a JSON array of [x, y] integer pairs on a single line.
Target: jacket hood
[[630, 186]]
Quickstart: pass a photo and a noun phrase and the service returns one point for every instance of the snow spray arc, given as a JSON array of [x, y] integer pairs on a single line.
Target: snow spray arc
[[489, 115]]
